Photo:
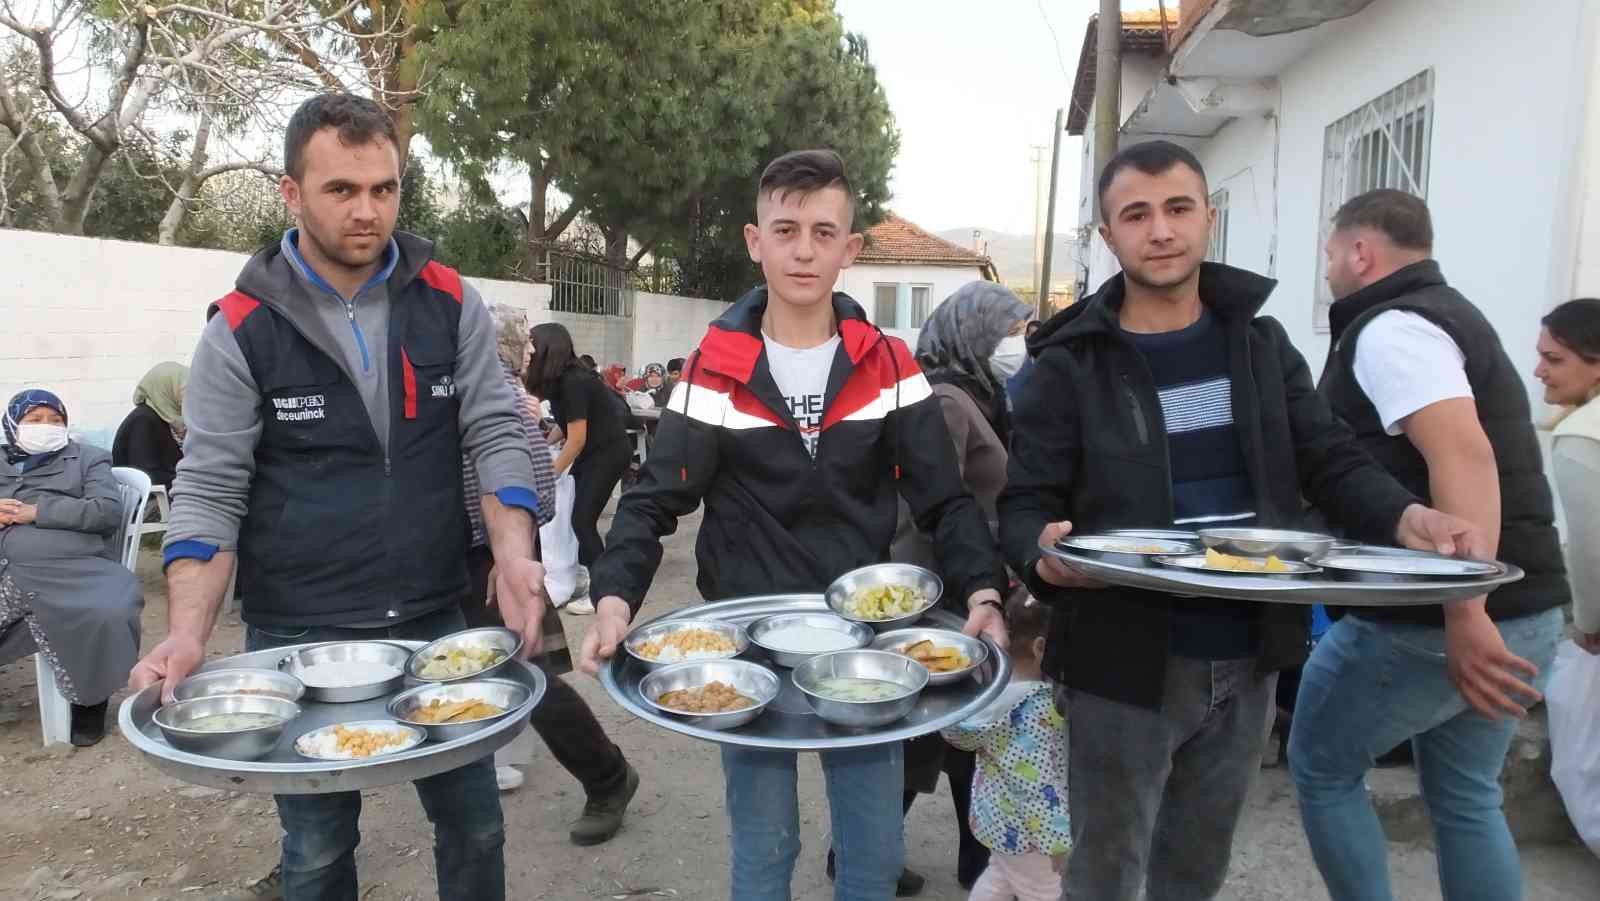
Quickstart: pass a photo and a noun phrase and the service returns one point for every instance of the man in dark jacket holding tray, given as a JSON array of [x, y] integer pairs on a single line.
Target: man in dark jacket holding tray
[[1165, 401]]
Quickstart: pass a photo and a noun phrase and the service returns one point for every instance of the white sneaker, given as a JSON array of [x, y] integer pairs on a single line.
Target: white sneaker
[[509, 778], [579, 607]]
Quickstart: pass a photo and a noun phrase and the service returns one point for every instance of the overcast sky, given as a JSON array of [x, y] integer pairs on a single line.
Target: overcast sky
[[973, 86]]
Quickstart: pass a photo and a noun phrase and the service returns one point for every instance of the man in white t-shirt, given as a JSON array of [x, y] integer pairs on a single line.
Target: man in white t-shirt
[[1421, 378]]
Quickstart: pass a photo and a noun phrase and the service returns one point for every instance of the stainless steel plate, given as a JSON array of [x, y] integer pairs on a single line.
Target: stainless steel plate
[[1361, 565], [1291, 569], [284, 772], [1287, 544], [1158, 534], [923, 582], [1313, 590], [410, 736], [975, 650], [1127, 550], [789, 724]]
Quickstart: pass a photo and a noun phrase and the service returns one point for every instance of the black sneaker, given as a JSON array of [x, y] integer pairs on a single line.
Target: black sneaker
[[89, 724], [908, 885]]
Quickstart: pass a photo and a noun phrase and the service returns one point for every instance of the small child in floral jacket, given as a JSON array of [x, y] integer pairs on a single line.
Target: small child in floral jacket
[[1019, 794]]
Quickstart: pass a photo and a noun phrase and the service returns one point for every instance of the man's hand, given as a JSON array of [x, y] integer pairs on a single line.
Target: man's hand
[[1589, 642], [1480, 665], [1054, 571], [986, 619], [15, 513], [519, 591], [169, 663], [1426, 529], [611, 618]]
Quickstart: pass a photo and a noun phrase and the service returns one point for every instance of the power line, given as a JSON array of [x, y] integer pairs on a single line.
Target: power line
[[1054, 40]]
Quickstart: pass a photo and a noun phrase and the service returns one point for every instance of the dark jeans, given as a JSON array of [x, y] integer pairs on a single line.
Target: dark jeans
[[594, 477], [1160, 791], [321, 832], [562, 718]]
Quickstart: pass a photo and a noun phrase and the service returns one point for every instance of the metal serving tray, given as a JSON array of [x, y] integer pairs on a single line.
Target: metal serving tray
[[1308, 590], [286, 772], [788, 724]]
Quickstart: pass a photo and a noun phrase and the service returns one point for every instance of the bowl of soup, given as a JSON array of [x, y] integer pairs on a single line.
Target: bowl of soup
[[236, 727], [861, 689]]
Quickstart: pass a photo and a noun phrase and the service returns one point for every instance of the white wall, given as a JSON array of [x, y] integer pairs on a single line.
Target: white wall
[[86, 318], [667, 326], [1507, 116]]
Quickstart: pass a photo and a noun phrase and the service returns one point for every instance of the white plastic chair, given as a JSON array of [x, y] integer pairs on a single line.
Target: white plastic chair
[[55, 712], [163, 512]]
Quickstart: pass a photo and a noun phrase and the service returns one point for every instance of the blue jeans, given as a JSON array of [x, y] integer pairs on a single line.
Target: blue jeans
[[864, 794], [320, 832], [1370, 686]]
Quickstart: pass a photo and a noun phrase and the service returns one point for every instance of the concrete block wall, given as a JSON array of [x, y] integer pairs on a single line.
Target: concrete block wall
[[86, 318], [667, 326]]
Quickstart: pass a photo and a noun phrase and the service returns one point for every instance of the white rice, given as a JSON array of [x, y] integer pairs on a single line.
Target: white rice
[[325, 745], [672, 654]]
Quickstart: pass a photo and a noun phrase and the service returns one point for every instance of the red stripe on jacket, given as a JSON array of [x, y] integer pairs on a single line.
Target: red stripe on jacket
[[236, 307], [408, 377], [443, 278]]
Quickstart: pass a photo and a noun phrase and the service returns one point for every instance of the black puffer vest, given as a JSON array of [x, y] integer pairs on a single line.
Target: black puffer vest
[[1528, 536], [338, 531]]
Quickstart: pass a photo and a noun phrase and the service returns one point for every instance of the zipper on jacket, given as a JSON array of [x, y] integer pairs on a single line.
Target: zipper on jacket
[[1141, 424], [361, 340]]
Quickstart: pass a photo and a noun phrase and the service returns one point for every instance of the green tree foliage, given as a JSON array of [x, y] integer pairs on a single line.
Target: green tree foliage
[[655, 118]]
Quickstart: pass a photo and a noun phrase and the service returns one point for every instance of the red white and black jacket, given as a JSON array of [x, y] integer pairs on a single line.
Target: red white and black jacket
[[776, 520]]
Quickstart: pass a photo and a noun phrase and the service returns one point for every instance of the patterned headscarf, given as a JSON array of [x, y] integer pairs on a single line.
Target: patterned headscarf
[[958, 339], [19, 407], [161, 390], [655, 369]]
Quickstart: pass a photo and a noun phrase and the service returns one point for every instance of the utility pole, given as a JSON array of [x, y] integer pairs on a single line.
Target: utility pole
[[1043, 299], [1038, 208], [1107, 87]]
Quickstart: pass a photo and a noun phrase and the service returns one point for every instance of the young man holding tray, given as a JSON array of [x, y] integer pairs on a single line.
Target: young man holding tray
[[1420, 376], [1165, 400], [797, 423], [331, 399]]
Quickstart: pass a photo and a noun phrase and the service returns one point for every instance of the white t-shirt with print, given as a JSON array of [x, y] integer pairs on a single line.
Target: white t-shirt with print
[[1405, 363], [802, 378]]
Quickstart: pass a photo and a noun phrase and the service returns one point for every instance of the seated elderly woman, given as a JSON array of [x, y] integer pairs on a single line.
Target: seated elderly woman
[[60, 579]]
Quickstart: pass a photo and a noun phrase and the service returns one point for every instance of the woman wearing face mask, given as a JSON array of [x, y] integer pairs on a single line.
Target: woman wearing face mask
[[61, 582], [968, 348], [151, 437], [1569, 367]]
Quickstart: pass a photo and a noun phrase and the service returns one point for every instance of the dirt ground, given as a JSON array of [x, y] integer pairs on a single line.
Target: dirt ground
[[101, 823]]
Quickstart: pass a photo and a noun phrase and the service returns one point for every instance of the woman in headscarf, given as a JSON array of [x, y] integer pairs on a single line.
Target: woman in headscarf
[[151, 437], [655, 384], [563, 720], [63, 588], [969, 347]]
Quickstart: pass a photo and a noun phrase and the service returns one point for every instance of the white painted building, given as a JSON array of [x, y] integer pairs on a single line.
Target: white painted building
[[904, 273], [1488, 109]]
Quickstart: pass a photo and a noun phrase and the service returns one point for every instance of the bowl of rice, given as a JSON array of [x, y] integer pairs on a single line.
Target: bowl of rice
[[662, 643]]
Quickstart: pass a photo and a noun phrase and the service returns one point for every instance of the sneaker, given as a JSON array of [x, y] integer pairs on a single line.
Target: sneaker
[[267, 888], [579, 606], [908, 885], [509, 778], [602, 816]]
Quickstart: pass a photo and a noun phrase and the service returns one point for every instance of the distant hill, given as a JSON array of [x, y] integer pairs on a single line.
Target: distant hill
[[1013, 254]]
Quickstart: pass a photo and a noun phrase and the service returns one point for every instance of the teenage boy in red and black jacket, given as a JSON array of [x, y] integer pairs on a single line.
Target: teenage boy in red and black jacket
[[797, 424]]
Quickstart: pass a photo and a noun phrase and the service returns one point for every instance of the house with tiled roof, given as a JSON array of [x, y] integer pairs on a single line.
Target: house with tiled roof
[[1490, 111], [904, 272]]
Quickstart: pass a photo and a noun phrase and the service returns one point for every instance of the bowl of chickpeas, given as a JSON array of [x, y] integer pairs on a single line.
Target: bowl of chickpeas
[[661, 644]]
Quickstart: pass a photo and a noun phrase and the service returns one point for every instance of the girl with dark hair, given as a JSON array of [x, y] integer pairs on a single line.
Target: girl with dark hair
[[1569, 367], [594, 420]]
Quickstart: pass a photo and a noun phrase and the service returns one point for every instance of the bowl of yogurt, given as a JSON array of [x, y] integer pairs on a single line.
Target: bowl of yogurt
[[339, 672], [791, 639]]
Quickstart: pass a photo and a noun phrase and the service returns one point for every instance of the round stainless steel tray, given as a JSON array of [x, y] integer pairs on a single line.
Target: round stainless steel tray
[[285, 772], [1308, 590], [788, 724]]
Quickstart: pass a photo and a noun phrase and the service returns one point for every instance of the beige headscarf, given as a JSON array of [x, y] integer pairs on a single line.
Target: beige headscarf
[[161, 390], [510, 334]]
